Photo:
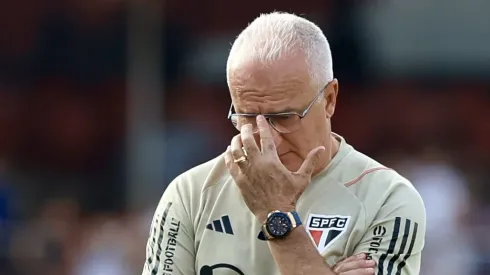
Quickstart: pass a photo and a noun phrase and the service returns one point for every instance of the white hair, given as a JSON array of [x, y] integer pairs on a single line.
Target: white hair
[[273, 35]]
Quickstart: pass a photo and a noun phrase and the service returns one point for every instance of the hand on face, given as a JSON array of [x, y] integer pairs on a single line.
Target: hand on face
[[355, 265], [266, 185]]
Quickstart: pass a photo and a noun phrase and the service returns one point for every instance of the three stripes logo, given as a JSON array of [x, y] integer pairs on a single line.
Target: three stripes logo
[[391, 262], [222, 225]]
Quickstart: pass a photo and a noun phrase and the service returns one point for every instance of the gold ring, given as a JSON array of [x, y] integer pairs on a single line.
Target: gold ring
[[241, 159], [244, 152]]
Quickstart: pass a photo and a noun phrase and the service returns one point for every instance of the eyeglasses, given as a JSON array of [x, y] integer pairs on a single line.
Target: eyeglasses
[[284, 123]]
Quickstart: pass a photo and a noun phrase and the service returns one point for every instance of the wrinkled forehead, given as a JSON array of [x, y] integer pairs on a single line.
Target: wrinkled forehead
[[270, 88]]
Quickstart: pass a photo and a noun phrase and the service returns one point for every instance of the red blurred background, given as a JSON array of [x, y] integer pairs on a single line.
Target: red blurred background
[[102, 103]]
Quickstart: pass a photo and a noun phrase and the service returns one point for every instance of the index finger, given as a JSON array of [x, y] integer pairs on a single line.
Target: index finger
[[358, 264], [360, 256], [350, 259], [266, 141]]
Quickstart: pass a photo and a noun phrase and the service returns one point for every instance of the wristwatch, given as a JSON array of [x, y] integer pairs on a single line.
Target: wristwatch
[[279, 224]]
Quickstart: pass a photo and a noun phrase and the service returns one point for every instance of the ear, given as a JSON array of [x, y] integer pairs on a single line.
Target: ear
[[330, 95]]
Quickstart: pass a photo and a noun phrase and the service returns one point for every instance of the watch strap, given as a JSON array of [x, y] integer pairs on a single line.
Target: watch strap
[[295, 219], [267, 235]]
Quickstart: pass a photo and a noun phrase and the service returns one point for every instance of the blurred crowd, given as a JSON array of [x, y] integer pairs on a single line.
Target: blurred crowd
[[63, 87]]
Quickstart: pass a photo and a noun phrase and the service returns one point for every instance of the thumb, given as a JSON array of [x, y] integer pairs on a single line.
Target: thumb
[[311, 161]]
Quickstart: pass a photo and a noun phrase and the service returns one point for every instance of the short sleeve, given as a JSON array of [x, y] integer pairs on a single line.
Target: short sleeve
[[170, 246], [395, 238]]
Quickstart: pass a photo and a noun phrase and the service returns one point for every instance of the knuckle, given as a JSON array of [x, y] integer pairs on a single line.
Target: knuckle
[[351, 266], [308, 171], [248, 140], [357, 264], [265, 137], [236, 152]]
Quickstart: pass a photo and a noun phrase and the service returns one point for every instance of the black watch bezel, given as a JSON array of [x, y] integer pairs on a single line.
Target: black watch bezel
[[277, 221]]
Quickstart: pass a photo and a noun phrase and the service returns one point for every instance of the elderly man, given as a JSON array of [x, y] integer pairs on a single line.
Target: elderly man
[[288, 196]]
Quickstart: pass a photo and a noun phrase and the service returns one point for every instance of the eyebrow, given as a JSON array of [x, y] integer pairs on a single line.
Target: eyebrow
[[285, 111]]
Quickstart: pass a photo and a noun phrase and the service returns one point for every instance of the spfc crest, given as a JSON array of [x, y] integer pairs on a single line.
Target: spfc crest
[[326, 229]]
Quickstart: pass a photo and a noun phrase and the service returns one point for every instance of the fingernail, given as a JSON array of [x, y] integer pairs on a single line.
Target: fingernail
[[370, 270], [361, 256], [370, 262]]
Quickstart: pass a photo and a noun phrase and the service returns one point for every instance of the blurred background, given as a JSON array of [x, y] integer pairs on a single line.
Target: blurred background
[[103, 103]]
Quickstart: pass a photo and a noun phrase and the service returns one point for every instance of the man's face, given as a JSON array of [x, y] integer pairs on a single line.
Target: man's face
[[284, 87]]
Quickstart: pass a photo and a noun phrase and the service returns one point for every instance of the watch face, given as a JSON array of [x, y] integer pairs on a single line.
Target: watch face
[[278, 225]]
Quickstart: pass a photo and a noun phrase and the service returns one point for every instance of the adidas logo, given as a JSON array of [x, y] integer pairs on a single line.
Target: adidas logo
[[221, 225]]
